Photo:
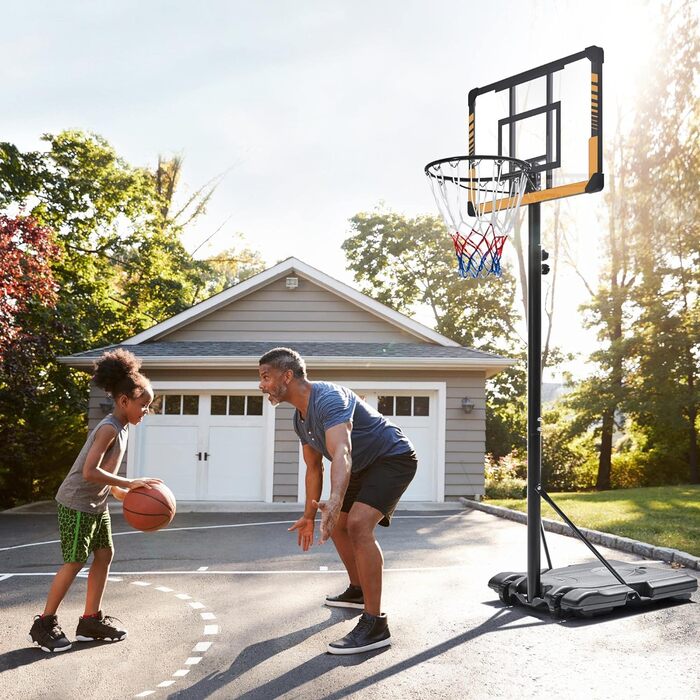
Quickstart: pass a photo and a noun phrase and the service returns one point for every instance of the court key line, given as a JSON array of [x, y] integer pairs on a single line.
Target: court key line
[[199, 648]]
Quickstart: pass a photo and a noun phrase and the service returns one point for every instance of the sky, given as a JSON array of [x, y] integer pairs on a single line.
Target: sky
[[315, 110]]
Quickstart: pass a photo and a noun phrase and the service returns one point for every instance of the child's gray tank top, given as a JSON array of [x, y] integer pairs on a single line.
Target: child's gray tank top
[[88, 496]]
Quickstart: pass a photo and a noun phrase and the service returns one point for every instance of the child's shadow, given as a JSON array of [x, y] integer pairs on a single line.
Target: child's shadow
[[31, 654]]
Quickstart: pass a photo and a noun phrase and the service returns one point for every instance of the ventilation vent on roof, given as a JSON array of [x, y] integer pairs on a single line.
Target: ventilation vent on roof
[[292, 282]]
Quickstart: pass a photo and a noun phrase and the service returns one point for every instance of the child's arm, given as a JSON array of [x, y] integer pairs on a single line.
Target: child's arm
[[92, 471]]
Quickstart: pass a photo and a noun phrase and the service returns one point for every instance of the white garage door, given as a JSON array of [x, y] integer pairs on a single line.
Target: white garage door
[[415, 412], [208, 447]]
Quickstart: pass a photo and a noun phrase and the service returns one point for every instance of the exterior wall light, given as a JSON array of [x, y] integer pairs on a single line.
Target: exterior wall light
[[467, 405]]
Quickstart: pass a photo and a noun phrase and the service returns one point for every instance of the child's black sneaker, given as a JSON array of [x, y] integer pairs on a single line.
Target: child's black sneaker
[[99, 629], [47, 635], [351, 597], [371, 632]]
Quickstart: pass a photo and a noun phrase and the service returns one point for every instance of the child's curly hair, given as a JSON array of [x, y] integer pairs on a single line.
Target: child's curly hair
[[117, 372]]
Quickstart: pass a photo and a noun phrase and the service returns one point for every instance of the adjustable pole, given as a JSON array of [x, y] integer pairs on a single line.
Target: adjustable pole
[[534, 400]]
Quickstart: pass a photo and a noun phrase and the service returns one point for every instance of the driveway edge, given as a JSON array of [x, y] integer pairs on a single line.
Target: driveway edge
[[624, 544]]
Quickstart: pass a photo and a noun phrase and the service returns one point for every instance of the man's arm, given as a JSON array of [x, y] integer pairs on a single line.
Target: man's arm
[[314, 485], [339, 445]]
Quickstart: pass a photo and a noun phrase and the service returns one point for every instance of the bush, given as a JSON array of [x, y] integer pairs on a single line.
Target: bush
[[504, 476]]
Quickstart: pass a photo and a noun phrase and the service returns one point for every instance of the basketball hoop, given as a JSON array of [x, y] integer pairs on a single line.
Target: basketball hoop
[[479, 198]]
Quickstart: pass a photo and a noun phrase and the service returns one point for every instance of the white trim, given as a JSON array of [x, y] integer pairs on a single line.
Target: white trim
[[205, 387], [489, 366], [323, 280], [440, 388]]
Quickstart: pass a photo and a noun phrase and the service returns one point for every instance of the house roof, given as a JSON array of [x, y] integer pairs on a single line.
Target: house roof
[[328, 355], [430, 351]]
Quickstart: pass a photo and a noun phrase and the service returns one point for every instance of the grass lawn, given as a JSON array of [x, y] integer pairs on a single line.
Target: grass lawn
[[667, 516]]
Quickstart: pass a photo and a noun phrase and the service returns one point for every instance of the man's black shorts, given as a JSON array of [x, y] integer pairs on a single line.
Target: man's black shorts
[[381, 484]]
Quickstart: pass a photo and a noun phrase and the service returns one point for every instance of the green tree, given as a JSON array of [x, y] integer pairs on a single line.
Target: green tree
[[121, 267], [665, 229]]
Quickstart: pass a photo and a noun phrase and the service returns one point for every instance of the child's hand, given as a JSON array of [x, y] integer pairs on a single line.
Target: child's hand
[[119, 493], [144, 482]]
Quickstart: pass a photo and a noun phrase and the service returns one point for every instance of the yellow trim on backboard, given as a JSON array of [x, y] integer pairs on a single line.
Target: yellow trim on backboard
[[592, 156], [540, 196]]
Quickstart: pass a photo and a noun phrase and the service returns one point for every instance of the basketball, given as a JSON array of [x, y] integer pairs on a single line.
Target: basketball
[[149, 509]]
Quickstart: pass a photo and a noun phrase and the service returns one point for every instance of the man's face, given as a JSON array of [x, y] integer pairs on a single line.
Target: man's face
[[274, 382]]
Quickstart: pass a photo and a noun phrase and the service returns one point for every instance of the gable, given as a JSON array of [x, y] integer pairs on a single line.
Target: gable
[[277, 314]]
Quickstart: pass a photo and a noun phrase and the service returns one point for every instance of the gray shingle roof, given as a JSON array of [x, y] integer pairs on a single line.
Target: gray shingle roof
[[306, 349]]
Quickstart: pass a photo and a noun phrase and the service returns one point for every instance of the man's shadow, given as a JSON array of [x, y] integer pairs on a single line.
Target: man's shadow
[[260, 652]]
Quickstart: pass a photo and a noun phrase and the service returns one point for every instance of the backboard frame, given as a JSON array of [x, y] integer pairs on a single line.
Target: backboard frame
[[542, 165]]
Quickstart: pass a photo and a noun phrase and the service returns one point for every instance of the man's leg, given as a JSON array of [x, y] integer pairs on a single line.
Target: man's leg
[[367, 554], [343, 545]]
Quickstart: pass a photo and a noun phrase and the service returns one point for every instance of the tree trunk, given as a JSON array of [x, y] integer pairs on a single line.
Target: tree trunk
[[605, 460]]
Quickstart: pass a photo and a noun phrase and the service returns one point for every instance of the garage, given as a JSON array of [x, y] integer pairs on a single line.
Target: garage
[[213, 445]]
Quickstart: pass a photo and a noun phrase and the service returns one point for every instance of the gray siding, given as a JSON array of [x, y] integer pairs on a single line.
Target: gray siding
[[308, 313]]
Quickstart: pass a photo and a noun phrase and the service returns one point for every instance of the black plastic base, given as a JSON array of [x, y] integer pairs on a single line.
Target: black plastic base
[[590, 589]]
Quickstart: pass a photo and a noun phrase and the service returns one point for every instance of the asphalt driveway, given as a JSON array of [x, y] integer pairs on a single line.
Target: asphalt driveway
[[226, 606]]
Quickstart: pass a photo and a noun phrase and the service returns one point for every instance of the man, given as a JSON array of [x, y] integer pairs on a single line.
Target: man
[[372, 464]]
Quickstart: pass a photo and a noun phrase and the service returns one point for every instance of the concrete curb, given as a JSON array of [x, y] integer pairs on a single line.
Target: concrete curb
[[624, 544]]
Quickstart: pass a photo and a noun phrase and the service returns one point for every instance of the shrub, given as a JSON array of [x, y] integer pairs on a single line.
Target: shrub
[[504, 476]]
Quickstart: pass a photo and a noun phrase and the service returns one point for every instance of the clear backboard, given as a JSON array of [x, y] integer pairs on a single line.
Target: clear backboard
[[550, 117]]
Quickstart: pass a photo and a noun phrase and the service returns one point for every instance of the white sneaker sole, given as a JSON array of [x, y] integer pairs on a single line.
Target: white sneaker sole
[[82, 638], [46, 649], [339, 604], [358, 650]]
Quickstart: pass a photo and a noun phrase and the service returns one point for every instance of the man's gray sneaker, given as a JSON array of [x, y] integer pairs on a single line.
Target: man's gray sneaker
[[371, 632], [351, 597]]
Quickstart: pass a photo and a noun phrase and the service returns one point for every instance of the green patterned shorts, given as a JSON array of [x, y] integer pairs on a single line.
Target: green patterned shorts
[[82, 533]]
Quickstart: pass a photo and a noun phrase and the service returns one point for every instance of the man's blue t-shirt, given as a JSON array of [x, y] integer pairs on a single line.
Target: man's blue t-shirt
[[372, 436]]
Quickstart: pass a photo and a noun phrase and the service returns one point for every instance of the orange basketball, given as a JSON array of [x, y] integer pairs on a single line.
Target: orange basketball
[[149, 509]]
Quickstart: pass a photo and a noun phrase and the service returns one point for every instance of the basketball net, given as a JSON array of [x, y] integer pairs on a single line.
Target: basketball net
[[478, 197]]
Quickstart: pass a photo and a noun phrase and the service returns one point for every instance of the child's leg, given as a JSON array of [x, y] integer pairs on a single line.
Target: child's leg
[[97, 580], [60, 585]]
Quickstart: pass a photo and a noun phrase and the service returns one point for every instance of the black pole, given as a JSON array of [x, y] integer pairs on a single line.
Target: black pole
[[534, 400]]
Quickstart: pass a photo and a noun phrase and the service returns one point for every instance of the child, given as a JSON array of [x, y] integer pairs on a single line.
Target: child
[[83, 516]]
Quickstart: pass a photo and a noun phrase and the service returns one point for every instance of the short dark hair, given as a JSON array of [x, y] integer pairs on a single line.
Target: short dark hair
[[284, 359]]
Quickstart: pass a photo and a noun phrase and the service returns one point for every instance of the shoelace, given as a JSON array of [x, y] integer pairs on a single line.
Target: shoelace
[[55, 632], [108, 619]]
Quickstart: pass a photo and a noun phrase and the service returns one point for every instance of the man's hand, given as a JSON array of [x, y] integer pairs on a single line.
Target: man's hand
[[330, 510], [305, 532]]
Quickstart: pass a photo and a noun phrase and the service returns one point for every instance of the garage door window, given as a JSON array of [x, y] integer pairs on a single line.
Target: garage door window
[[175, 405], [404, 405], [236, 405]]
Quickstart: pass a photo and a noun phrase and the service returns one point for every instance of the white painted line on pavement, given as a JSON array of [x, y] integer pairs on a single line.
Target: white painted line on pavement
[[164, 589], [202, 646], [183, 596], [196, 606], [218, 527], [193, 660], [202, 568], [165, 684], [145, 693], [4, 576], [140, 583], [211, 629], [182, 672], [208, 616]]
